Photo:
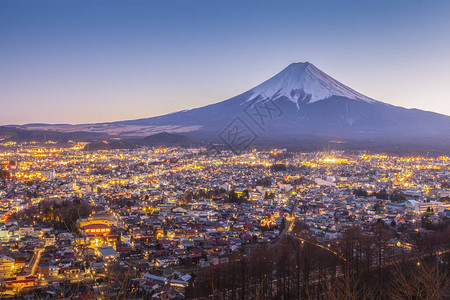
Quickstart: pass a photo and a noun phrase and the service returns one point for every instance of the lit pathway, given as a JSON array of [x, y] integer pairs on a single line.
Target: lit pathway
[[36, 262]]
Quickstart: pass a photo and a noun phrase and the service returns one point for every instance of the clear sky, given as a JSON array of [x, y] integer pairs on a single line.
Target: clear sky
[[75, 61]]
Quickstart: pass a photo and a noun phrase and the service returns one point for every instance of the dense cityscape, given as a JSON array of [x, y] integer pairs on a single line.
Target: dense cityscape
[[198, 223], [224, 150]]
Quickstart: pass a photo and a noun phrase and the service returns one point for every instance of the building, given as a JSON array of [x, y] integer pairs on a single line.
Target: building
[[438, 193], [422, 207], [97, 224], [107, 220], [96, 229], [21, 282], [412, 193], [4, 235], [46, 269], [321, 182], [108, 253], [7, 264]]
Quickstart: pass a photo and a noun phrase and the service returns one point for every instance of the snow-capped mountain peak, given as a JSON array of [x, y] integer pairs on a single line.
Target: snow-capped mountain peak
[[303, 82]]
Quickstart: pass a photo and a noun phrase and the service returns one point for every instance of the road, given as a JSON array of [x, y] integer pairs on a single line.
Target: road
[[289, 224], [35, 264]]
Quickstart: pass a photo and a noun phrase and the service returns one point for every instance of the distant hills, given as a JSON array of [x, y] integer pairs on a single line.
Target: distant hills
[[23, 135]]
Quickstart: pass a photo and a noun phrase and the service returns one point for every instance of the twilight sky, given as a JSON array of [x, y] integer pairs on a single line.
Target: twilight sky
[[75, 61]]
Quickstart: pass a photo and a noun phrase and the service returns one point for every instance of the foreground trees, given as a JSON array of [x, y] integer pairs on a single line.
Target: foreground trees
[[362, 265]]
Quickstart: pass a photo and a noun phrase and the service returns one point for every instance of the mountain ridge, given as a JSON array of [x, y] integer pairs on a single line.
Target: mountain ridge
[[299, 101]]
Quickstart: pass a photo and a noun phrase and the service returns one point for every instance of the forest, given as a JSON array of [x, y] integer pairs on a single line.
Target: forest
[[363, 264]]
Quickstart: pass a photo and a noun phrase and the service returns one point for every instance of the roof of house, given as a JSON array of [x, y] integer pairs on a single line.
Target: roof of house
[[106, 251]]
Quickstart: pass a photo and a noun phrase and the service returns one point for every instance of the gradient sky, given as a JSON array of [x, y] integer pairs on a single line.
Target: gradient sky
[[74, 61]]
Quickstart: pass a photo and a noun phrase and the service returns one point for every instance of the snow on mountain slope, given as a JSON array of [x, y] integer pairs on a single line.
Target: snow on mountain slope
[[303, 82]]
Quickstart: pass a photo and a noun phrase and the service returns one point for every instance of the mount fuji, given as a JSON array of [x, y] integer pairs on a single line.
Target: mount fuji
[[304, 83], [299, 106]]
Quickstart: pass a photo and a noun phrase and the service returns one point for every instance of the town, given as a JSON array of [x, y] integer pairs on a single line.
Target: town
[[148, 222]]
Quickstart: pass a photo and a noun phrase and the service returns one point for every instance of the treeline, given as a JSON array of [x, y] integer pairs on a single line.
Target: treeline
[[59, 215], [220, 193], [362, 265], [4, 175], [395, 196]]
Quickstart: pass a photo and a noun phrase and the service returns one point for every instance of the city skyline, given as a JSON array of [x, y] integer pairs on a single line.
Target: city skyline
[[72, 63]]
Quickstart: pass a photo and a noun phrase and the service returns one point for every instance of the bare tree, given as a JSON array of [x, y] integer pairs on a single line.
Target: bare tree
[[419, 282]]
